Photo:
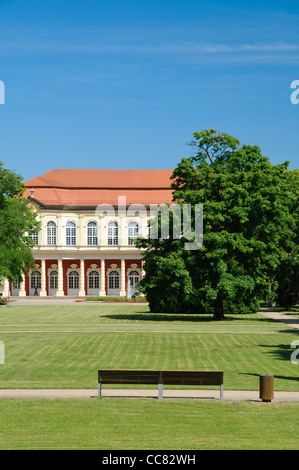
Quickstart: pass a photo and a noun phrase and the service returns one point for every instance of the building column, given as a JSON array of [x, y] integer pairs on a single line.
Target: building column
[[22, 291], [82, 279], [43, 291], [102, 279], [60, 292], [123, 291], [6, 290], [59, 238], [41, 234]]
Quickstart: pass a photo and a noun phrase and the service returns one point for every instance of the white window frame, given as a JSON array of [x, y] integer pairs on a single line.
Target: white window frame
[[112, 233], [71, 233], [35, 237], [74, 279], [35, 279], [133, 273], [114, 277], [133, 232], [53, 280], [93, 280], [51, 233], [92, 233]]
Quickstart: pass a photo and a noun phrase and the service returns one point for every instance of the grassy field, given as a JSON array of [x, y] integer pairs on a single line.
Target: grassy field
[[118, 424], [64, 346]]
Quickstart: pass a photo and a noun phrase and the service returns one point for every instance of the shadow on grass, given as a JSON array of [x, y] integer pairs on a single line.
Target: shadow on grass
[[281, 351], [292, 332], [290, 321], [170, 317], [281, 377], [291, 311], [167, 317]]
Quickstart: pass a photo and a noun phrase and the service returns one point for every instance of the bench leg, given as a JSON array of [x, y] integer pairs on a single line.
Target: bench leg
[[221, 392], [99, 390], [160, 394]]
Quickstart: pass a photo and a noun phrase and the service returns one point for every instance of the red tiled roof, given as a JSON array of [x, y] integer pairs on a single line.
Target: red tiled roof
[[93, 187]]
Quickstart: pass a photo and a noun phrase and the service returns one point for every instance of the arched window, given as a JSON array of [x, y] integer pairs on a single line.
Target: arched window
[[113, 280], [53, 280], [113, 233], [134, 279], [92, 233], [133, 229], [51, 233], [93, 280], [35, 280], [73, 280], [71, 234]]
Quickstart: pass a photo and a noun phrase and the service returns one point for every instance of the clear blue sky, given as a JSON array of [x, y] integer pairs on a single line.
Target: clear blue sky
[[125, 83]]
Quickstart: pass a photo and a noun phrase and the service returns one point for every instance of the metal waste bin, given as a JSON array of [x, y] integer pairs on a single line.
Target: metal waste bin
[[266, 387]]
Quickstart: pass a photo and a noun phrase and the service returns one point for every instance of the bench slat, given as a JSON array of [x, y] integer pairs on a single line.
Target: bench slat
[[167, 377], [129, 377], [192, 378]]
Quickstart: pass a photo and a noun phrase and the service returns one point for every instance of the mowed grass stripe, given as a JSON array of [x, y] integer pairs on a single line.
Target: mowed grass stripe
[[116, 314], [75, 341], [134, 331], [48, 360]]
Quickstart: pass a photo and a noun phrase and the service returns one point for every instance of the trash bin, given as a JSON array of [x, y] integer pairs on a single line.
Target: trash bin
[[266, 388]]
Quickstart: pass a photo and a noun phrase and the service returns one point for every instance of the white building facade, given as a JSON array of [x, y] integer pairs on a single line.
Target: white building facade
[[89, 220]]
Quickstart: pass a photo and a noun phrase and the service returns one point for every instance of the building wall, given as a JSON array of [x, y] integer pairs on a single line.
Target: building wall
[[83, 257]]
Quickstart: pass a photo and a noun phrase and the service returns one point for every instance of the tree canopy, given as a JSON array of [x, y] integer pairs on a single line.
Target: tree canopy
[[17, 222], [249, 227]]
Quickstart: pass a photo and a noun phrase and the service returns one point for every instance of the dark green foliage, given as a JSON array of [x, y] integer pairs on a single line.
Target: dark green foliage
[[248, 227], [16, 221], [286, 281], [170, 285]]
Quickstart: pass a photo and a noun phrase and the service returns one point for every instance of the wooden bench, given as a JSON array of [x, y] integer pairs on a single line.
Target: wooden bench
[[160, 378]]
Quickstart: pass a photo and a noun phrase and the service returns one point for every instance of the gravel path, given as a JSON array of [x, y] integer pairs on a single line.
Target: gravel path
[[178, 394]]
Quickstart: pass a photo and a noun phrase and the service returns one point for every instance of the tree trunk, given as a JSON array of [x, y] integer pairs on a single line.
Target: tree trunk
[[218, 308]]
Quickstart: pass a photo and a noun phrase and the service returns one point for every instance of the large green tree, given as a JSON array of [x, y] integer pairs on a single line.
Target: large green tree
[[286, 280], [247, 225], [17, 222]]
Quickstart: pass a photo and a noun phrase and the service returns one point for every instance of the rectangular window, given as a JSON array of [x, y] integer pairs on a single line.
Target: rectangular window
[[34, 237], [94, 282], [53, 283], [53, 280], [113, 282], [113, 234], [74, 282], [35, 281], [71, 235], [51, 233], [92, 236], [133, 229]]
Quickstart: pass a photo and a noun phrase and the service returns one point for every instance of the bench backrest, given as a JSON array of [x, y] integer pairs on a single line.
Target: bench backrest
[[167, 377], [146, 377], [195, 377]]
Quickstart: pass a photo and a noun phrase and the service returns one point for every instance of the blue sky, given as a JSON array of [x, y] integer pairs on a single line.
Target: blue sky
[[125, 83]]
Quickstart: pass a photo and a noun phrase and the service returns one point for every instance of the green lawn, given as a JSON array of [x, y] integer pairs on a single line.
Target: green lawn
[[64, 346], [147, 424]]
